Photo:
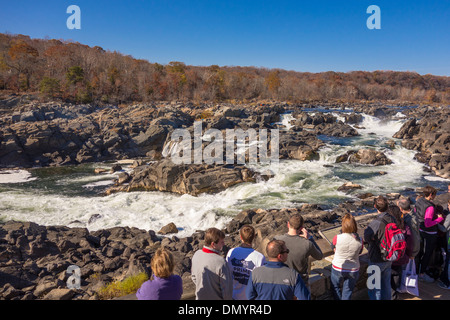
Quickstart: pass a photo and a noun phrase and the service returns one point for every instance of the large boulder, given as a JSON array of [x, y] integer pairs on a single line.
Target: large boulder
[[153, 138], [299, 146], [325, 124], [365, 156], [408, 130], [353, 118], [336, 129], [169, 228], [192, 179]]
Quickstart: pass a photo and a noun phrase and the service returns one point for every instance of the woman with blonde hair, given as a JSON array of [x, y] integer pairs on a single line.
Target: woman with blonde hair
[[165, 285], [345, 265]]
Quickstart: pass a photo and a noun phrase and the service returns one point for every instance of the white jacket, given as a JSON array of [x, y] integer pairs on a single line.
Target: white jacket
[[346, 257]]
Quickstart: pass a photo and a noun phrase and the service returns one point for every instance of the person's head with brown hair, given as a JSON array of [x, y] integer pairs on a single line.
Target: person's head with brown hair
[[162, 263], [296, 222], [429, 192], [381, 204], [277, 251], [247, 234], [397, 213], [404, 204], [214, 238], [349, 224]]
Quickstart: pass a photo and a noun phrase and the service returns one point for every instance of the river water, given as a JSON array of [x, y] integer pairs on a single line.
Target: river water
[[71, 195]]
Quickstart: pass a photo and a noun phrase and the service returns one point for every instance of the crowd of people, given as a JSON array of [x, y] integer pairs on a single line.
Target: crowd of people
[[282, 274]]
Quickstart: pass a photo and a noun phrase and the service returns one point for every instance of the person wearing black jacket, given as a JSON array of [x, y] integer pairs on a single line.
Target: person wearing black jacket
[[428, 219], [372, 237]]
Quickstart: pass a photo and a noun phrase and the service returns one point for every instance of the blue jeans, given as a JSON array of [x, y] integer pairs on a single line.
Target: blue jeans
[[348, 281], [384, 292]]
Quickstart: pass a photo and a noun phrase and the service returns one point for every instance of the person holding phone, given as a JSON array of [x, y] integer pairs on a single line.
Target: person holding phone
[[301, 246]]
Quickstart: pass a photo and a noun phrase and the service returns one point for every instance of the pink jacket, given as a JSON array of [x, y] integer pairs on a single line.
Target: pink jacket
[[428, 219]]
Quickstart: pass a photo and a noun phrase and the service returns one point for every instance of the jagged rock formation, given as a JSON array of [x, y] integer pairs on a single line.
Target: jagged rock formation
[[191, 179], [429, 134]]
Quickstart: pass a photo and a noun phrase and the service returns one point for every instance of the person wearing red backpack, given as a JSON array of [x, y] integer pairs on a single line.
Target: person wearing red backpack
[[412, 245], [373, 235]]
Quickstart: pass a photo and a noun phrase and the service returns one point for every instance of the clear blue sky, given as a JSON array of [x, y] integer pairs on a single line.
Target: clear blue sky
[[311, 36]]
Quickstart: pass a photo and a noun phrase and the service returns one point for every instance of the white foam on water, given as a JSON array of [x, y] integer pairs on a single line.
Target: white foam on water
[[92, 181], [144, 210], [298, 182], [339, 116], [153, 210], [285, 120], [85, 179], [15, 176], [99, 184], [404, 172], [435, 178], [382, 128]]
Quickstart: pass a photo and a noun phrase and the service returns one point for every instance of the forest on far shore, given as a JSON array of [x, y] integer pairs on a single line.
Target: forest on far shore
[[73, 72]]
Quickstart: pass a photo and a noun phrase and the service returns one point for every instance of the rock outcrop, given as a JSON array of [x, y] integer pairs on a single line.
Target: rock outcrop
[[34, 258], [323, 124], [302, 145], [430, 136], [59, 134], [53, 134], [349, 186], [192, 179], [365, 156]]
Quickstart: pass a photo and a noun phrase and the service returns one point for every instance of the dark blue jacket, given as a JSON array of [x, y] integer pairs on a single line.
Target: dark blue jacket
[[276, 281]]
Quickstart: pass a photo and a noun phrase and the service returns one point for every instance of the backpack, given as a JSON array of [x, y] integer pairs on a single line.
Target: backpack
[[392, 242]]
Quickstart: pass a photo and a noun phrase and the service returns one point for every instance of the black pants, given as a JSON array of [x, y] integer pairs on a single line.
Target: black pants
[[444, 275], [396, 279], [427, 245]]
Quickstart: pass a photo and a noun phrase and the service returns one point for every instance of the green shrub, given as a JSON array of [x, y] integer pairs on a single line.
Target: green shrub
[[122, 288], [75, 74], [49, 87], [83, 97]]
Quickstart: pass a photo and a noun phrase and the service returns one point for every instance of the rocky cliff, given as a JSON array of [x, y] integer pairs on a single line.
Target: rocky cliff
[[428, 132]]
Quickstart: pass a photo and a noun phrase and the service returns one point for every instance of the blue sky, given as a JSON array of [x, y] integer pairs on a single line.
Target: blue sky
[[312, 36]]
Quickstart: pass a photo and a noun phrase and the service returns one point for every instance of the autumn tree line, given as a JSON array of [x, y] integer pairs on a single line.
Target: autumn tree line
[[70, 71]]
